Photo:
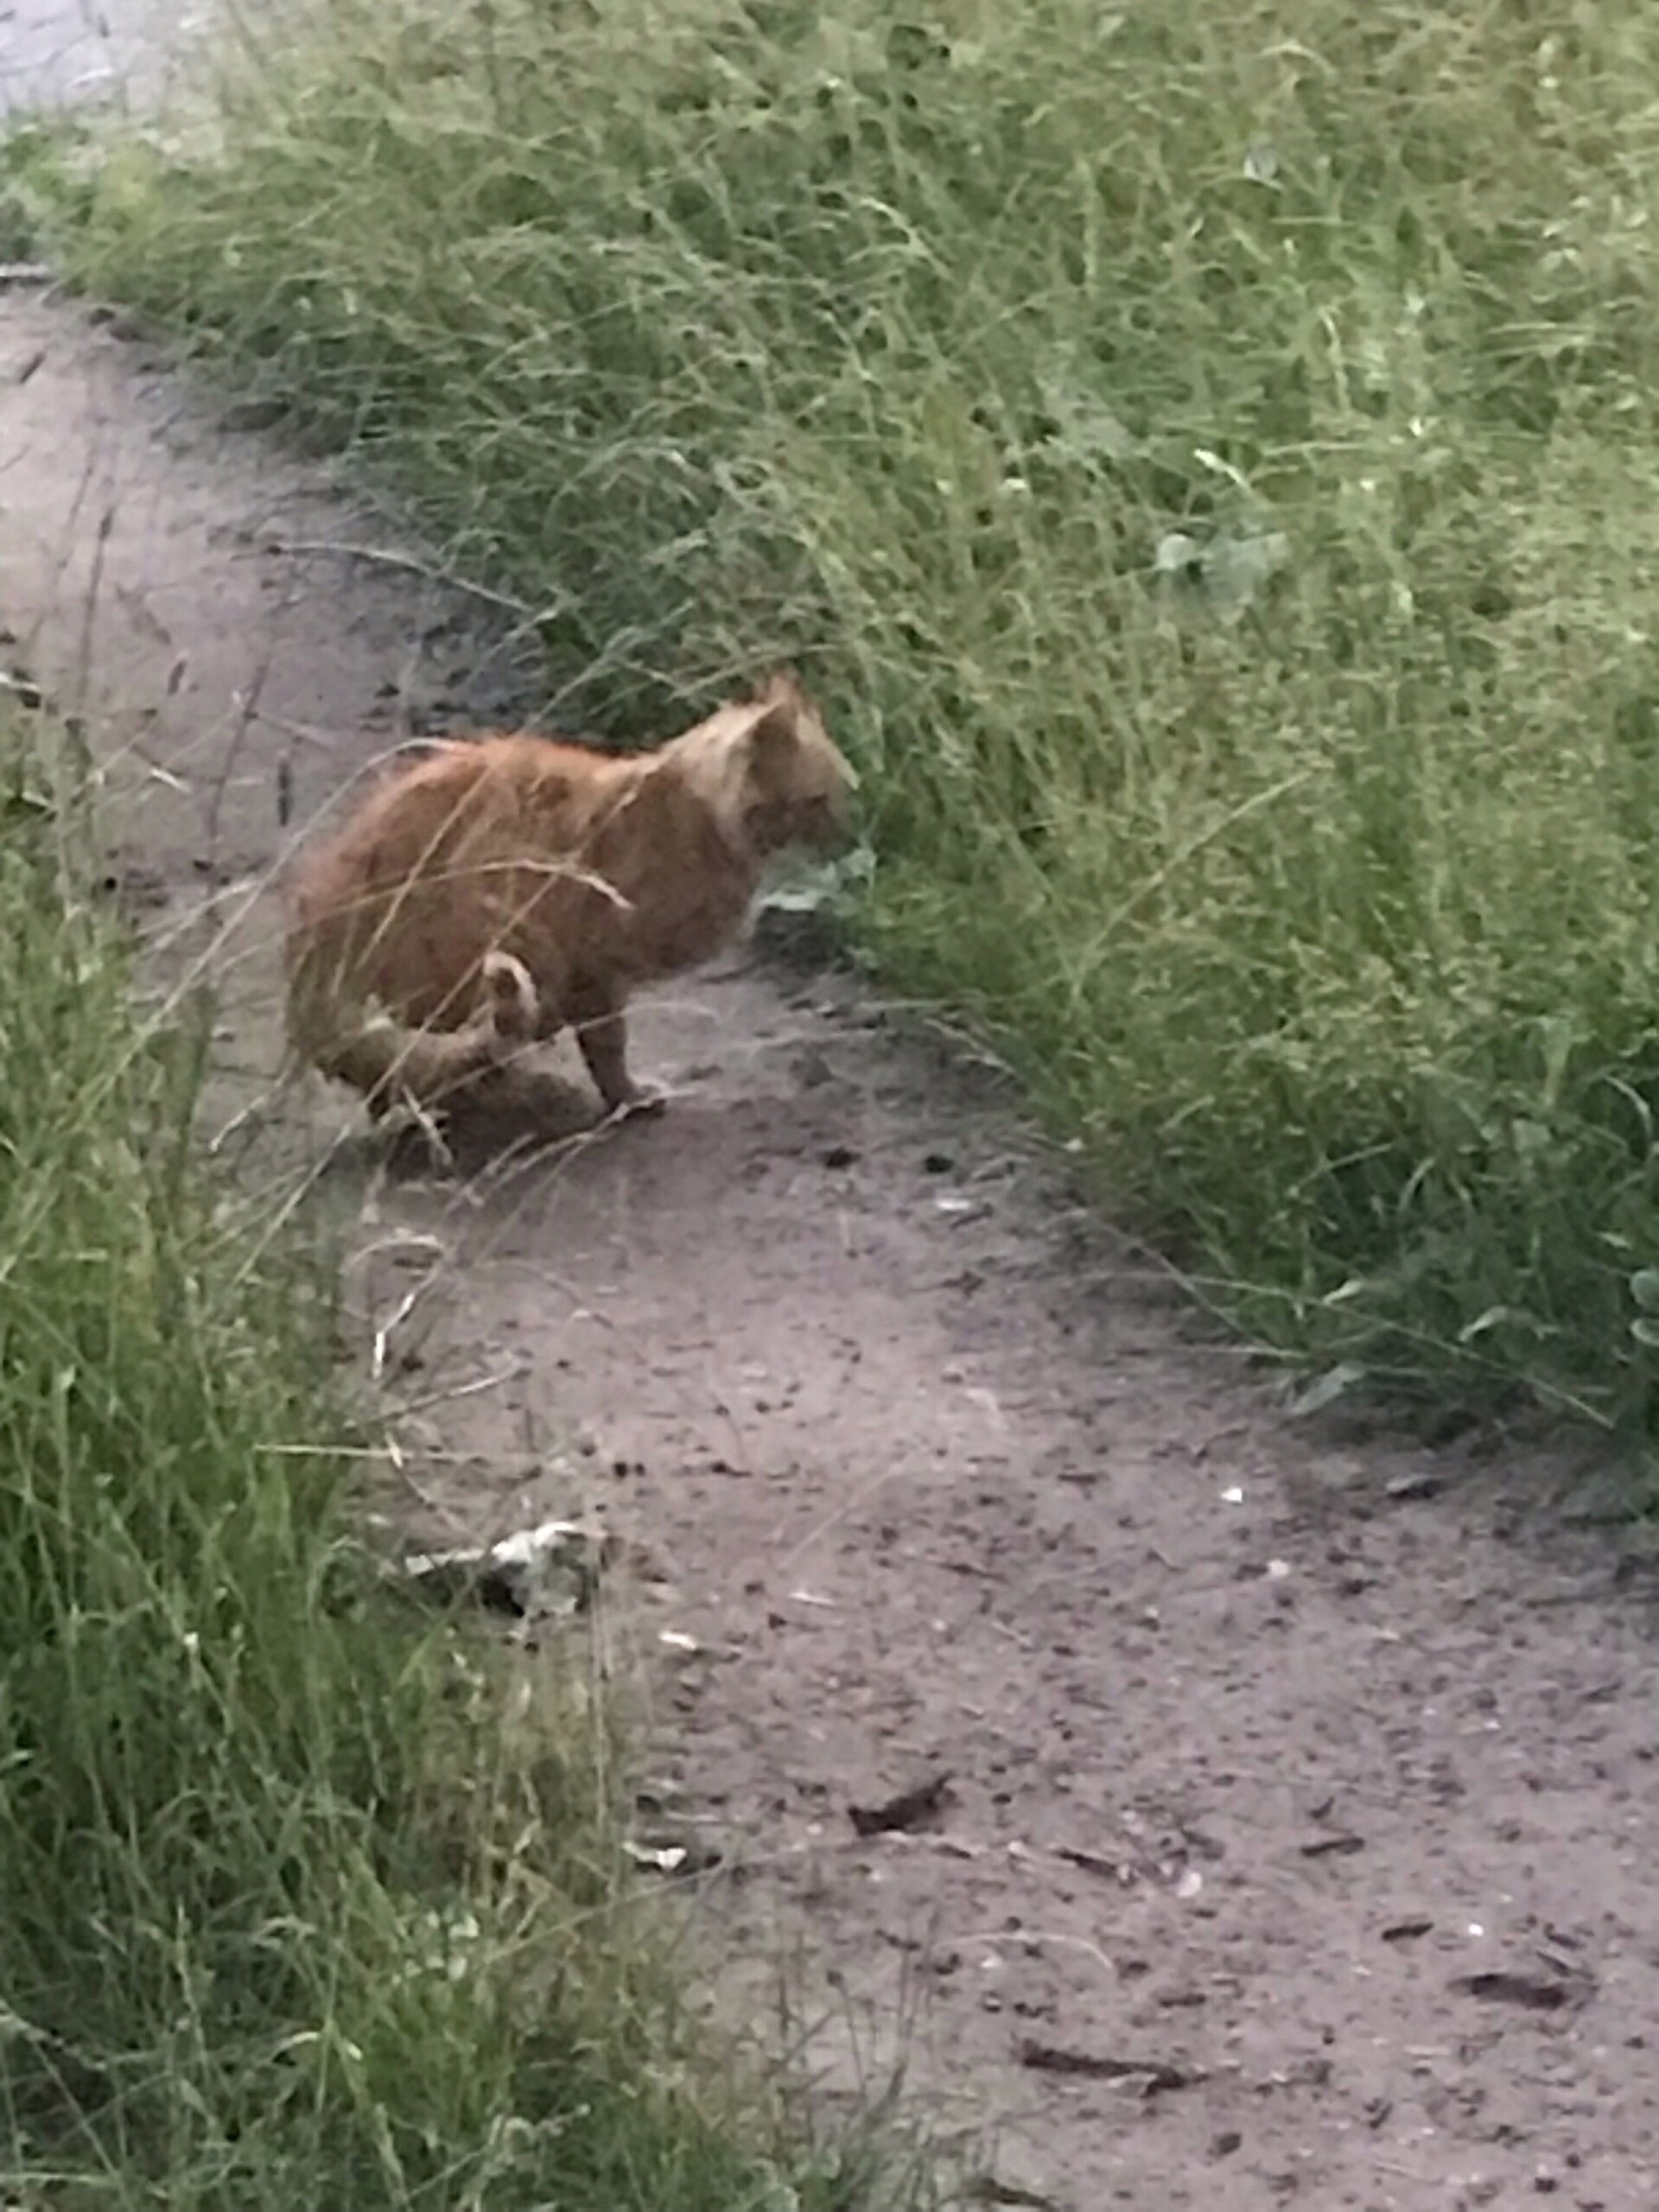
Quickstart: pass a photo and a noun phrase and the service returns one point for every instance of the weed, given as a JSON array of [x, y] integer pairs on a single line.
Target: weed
[[1208, 459], [298, 1904]]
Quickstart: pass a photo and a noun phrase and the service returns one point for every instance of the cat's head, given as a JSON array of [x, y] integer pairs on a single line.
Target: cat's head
[[772, 771]]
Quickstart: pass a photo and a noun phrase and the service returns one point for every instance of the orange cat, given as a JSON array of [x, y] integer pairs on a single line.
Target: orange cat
[[505, 888]]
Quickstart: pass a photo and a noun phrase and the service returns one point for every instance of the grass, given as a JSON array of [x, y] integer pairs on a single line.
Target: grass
[[299, 1905], [1208, 459]]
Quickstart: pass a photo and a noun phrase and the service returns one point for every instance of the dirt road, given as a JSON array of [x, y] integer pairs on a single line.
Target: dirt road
[[1299, 1839], [58, 52]]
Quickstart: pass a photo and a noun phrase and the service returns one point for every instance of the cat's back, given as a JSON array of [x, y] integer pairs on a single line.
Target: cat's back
[[513, 792], [553, 790]]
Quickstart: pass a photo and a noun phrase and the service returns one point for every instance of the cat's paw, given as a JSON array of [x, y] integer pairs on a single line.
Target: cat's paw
[[642, 1099]]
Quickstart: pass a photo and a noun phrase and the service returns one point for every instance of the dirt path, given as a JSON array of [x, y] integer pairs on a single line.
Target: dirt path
[[1305, 1796], [54, 53]]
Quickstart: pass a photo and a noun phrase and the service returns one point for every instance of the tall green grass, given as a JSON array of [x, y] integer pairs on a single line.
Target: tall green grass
[[298, 1907], [1206, 455]]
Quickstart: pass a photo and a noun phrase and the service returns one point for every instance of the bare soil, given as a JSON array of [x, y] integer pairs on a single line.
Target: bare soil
[[1298, 1840]]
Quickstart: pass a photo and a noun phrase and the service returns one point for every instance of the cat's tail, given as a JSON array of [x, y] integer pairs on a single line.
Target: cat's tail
[[333, 1029]]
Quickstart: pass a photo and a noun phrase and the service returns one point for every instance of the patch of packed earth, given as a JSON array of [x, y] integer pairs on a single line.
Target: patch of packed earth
[[1298, 1835], [57, 53]]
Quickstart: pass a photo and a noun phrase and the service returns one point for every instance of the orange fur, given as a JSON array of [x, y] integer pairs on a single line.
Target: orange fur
[[504, 888]]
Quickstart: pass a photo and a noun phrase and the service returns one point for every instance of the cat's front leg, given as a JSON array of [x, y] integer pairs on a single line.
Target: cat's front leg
[[603, 1039]]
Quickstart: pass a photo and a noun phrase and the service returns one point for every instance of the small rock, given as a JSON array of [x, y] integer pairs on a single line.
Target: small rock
[[1405, 1488], [553, 1568]]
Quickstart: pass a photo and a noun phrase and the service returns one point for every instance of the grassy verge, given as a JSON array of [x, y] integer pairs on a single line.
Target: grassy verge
[[292, 1911], [1207, 456]]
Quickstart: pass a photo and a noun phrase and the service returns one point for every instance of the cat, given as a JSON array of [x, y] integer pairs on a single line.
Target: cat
[[504, 888]]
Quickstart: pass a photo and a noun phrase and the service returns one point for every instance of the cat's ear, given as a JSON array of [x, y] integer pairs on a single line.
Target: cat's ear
[[774, 737], [781, 683], [787, 749]]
